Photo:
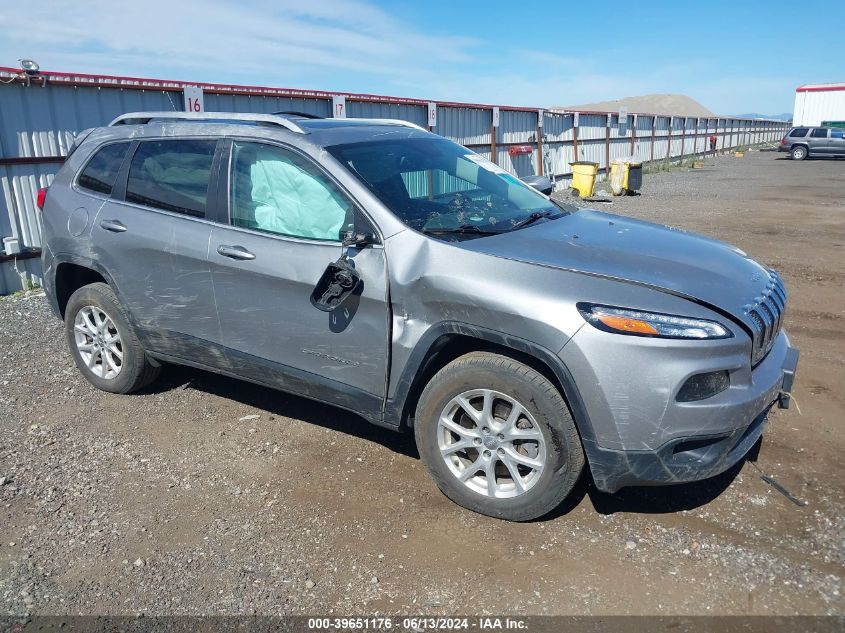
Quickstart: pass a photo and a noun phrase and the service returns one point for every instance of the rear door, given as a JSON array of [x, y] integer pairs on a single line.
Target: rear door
[[819, 143], [152, 237], [287, 217]]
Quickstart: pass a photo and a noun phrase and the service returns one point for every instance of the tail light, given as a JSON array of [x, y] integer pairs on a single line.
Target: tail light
[[783, 141], [42, 195]]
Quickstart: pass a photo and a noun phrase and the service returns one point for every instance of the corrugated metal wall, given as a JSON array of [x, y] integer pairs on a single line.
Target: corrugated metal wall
[[467, 126], [369, 110], [814, 104], [38, 123]]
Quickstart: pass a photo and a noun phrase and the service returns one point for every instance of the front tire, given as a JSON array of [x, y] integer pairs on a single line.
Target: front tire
[[799, 152], [498, 438], [102, 342]]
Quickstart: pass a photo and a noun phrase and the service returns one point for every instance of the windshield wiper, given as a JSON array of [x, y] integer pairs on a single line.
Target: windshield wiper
[[533, 217], [463, 228]]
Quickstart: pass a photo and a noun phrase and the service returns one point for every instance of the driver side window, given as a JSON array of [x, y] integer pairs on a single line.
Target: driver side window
[[277, 191]]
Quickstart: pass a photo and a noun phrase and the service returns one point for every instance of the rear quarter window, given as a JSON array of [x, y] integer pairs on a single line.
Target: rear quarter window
[[100, 173], [172, 175], [799, 132]]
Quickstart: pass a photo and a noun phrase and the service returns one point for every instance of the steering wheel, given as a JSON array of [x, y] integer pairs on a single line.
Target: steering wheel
[[457, 202], [457, 210]]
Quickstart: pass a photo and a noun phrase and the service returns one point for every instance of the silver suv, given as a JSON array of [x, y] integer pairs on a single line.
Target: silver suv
[[383, 269], [819, 142]]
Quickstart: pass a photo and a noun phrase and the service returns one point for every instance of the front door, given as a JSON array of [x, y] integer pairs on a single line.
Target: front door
[[837, 141], [287, 218]]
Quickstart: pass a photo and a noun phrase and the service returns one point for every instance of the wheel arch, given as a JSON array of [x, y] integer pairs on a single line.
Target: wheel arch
[[71, 272], [447, 341]]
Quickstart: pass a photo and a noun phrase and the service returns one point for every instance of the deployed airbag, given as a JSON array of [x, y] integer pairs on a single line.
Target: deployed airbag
[[291, 201]]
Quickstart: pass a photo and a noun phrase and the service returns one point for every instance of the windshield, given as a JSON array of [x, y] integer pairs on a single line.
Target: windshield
[[436, 186]]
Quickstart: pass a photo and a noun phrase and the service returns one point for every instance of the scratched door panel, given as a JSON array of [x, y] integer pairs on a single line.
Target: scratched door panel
[[160, 266], [265, 308]]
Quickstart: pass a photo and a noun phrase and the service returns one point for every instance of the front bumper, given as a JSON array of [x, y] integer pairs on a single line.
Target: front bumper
[[690, 441], [679, 461]]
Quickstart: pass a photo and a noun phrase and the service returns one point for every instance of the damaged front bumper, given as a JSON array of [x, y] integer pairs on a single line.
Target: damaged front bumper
[[678, 461], [695, 456]]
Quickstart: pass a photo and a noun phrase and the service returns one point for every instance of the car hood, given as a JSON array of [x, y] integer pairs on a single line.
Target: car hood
[[669, 259]]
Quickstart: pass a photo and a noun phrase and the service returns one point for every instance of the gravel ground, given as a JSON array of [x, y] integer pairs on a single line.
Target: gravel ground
[[204, 495]]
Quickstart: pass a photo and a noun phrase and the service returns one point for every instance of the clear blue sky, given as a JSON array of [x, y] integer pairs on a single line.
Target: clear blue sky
[[734, 57]]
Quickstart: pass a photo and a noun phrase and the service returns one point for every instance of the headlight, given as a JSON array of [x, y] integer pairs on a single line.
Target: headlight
[[637, 323]]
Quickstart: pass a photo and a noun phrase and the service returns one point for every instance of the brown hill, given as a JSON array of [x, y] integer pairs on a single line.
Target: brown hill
[[664, 104]]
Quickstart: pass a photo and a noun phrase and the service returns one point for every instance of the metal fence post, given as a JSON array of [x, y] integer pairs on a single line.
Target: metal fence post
[[669, 141], [653, 125], [493, 156], [633, 134], [539, 144], [722, 135], [698, 133]]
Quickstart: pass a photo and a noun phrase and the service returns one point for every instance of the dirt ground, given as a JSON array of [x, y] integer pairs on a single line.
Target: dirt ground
[[205, 495]]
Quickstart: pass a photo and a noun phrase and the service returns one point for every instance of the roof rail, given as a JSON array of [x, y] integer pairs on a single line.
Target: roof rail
[[298, 115], [393, 122], [142, 118]]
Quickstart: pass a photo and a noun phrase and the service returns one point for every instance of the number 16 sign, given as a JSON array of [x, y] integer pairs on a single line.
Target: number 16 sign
[[432, 114], [193, 99]]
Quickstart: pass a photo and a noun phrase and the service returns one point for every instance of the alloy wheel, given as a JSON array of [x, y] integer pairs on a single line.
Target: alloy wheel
[[98, 342], [491, 443]]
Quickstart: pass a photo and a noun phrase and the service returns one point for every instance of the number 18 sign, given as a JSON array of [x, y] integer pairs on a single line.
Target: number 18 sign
[[193, 99]]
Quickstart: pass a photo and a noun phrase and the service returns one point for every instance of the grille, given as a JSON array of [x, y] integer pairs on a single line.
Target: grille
[[766, 313]]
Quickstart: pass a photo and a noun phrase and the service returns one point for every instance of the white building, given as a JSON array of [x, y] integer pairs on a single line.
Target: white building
[[815, 103]]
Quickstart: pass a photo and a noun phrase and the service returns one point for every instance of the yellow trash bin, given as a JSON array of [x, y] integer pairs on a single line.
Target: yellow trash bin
[[584, 177], [625, 176], [618, 177]]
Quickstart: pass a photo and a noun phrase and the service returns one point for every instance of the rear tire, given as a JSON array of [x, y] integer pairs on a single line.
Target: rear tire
[[102, 342], [515, 454], [799, 152]]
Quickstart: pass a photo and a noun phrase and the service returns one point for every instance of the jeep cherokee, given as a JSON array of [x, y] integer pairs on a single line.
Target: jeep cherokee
[[378, 267]]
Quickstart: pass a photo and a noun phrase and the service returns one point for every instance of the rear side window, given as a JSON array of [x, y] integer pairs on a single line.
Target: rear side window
[[101, 171], [837, 134], [819, 133], [171, 175], [799, 132]]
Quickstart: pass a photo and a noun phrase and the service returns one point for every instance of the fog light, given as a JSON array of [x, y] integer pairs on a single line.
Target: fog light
[[703, 386]]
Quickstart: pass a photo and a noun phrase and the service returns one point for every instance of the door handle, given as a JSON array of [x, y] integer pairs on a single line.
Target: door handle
[[115, 226], [235, 252]]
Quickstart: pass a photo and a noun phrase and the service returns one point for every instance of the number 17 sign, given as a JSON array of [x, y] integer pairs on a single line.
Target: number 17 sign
[[339, 106]]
